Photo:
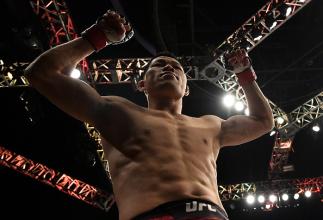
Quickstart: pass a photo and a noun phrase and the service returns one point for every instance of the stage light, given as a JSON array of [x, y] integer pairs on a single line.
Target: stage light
[[267, 206], [250, 199], [228, 100], [270, 21], [285, 197], [272, 133], [246, 111], [256, 34], [261, 199], [272, 198], [75, 74], [280, 120], [239, 106], [308, 193], [284, 9], [288, 11], [296, 196], [316, 128]]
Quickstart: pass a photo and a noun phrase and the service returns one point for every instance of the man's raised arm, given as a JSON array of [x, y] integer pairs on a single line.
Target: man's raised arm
[[49, 72], [240, 129]]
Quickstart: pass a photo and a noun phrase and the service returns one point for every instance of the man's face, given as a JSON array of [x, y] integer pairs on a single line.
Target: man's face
[[165, 77]]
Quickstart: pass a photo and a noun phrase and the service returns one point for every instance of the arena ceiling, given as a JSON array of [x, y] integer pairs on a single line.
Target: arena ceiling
[[289, 65]]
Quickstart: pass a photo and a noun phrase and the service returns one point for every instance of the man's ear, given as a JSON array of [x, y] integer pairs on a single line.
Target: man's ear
[[141, 86], [187, 90]]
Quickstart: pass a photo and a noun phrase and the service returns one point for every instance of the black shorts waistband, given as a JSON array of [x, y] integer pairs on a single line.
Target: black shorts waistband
[[184, 209]]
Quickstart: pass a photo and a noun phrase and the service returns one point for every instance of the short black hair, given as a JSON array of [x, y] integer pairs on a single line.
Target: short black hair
[[159, 54]]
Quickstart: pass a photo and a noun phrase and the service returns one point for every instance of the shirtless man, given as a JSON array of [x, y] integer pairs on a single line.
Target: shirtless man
[[162, 163]]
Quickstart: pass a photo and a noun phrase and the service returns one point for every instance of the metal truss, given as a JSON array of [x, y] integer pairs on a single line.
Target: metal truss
[[56, 20], [103, 200], [120, 70], [105, 71], [12, 74], [236, 191], [60, 181], [303, 115], [290, 185], [298, 119], [95, 135], [279, 157], [241, 190], [58, 23], [256, 29]]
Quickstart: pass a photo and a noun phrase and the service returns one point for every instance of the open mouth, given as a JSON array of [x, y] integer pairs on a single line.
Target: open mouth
[[168, 75]]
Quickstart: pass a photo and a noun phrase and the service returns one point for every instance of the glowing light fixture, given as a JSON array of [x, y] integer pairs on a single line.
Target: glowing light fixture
[[296, 196], [316, 128], [250, 199], [272, 198], [261, 199], [285, 197], [239, 106], [75, 74], [228, 100], [280, 120], [308, 193]]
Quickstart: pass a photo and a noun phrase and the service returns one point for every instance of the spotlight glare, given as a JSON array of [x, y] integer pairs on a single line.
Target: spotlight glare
[[10, 76], [250, 199], [316, 128], [285, 197], [75, 74], [288, 11], [272, 133], [273, 25], [246, 111], [308, 193], [239, 106], [228, 100], [267, 206], [272, 198], [296, 196], [261, 199], [280, 120], [257, 38]]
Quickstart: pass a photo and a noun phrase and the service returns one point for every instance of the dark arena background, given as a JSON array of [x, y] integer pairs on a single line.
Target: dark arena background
[[52, 166]]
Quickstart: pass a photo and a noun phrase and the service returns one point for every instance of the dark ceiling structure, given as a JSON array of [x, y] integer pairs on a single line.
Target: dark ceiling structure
[[289, 65]]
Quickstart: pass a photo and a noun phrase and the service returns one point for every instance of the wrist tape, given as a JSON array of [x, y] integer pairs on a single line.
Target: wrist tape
[[96, 37], [247, 76]]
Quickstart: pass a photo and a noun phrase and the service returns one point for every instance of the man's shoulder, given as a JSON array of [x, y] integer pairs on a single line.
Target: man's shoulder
[[212, 118]]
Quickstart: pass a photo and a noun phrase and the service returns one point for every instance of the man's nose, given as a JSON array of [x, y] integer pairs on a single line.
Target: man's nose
[[168, 67]]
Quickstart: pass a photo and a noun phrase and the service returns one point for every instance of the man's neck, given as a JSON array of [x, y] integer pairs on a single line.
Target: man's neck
[[172, 106]]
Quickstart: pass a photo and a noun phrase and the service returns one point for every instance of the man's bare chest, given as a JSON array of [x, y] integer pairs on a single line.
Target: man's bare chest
[[173, 131]]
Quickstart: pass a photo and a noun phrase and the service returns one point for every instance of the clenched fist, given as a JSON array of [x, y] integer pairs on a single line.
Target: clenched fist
[[111, 28], [114, 26], [238, 60]]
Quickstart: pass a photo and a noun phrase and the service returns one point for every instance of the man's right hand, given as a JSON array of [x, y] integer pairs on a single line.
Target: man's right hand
[[114, 26]]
